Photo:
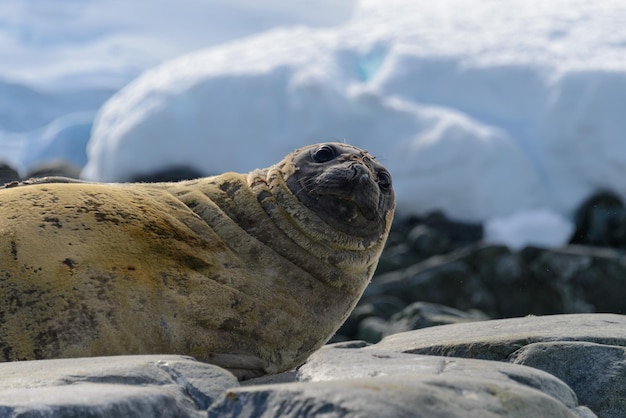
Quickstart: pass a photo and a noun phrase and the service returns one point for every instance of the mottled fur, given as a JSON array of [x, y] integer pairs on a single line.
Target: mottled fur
[[231, 269]]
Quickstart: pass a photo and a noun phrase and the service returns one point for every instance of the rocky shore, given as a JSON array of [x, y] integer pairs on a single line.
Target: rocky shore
[[450, 326], [550, 366]]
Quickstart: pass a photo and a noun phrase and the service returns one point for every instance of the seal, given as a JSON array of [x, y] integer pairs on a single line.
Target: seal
[[252, 272]]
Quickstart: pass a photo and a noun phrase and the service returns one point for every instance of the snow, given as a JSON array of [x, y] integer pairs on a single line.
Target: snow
[[507, 113], [541, 228], [61, 60]]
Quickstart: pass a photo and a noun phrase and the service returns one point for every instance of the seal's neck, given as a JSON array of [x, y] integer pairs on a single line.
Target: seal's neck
[[304, 227]]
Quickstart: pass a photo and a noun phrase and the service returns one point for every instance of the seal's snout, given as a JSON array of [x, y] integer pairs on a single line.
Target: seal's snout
[[360, 172]]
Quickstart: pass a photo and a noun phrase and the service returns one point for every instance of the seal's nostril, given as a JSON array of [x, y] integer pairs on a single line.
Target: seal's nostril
[[359, 170]]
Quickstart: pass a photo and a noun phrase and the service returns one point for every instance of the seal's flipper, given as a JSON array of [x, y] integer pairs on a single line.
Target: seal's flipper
[[243, 366]]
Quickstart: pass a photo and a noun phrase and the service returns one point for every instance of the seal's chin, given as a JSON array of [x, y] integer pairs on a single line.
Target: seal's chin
[[347, 211], [359, 206]]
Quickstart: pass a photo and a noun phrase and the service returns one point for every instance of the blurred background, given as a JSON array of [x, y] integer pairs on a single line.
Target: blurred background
[[502, 123]]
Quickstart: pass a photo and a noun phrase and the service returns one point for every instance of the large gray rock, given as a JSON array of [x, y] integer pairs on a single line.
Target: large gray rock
[[584, 350], [393, 396], [334, 362], [596, 372], [498, 339], [129, 386], [346, 380]]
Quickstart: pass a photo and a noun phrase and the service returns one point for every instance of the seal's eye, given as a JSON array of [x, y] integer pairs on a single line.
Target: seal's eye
[[324, 154], [384, 180]]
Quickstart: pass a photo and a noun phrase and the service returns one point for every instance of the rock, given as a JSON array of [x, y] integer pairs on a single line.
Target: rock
[[499, 338], [602, 284], [503, 283], [8, 174], [556, 366], [497, 265], [397, 396], [382, 307], [336, 362], [601, 221], [514, 339], [459, 233], [54, 168], [423, 314], [414, 239], [596, 372], [447, 280], [428, 241], [347, 380], [371, 329], [289, 376], [133, 386]]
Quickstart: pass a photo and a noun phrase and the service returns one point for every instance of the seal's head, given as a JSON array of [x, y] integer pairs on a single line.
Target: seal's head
[[345, 186]]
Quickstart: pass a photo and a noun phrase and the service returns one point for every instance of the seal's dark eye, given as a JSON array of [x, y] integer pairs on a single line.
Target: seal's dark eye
[[324, 154], [384, 180]]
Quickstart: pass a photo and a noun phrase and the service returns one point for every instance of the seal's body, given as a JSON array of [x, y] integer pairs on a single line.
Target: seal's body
[[252, 272]]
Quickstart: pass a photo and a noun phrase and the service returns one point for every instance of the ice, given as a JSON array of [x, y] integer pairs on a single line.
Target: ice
[[508, 113]]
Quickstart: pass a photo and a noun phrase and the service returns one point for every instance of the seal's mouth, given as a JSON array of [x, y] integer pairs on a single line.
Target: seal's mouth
[[348, 210], [349, 193]]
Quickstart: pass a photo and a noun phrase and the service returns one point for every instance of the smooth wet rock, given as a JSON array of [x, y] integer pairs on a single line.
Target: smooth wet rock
[[129, 386], [596, 372]]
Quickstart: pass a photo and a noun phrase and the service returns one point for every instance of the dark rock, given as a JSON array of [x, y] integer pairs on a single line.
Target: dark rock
[[397, 257], [371, 329], [54, 168], [596, 372], [601, 221], [381, 306], [8, 174], [413, 239], [428, 241], [423, 314], [603, 284], [503, 283], [497, 265], [459, 233], [447, 280]]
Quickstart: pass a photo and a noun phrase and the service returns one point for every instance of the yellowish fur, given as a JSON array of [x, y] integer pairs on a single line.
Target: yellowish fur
[[225, 265]]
